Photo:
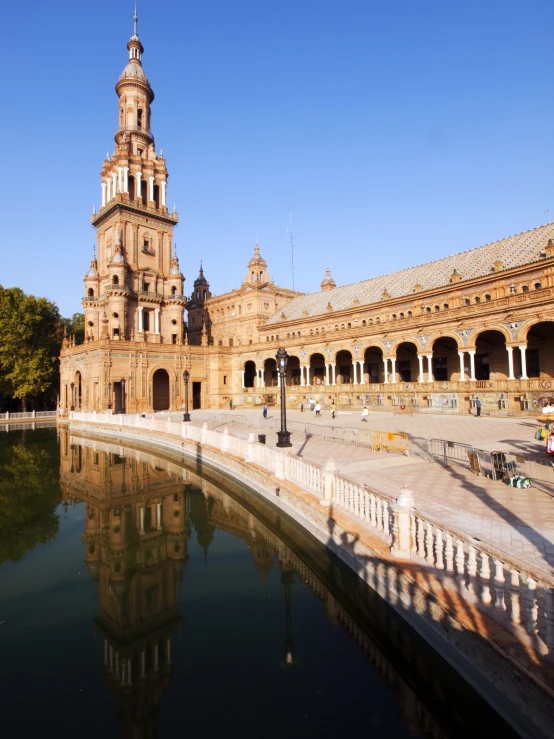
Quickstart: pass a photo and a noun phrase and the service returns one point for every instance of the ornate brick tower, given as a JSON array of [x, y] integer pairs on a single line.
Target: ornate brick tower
[[134, 289]]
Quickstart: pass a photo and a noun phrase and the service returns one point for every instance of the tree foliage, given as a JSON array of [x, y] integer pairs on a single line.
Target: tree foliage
[[31, 333]]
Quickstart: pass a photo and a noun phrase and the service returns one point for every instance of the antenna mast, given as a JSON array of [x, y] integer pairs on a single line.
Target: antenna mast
[[291, 236]]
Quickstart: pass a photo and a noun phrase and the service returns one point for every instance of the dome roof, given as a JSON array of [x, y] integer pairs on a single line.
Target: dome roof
[[92, 272], [117, 257], [174, 270], [134, 70]]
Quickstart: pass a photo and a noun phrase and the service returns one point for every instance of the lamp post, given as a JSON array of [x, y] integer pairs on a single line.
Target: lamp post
[[283, 435], [122, 396], [186, 414], [72, 386], [109, 396]]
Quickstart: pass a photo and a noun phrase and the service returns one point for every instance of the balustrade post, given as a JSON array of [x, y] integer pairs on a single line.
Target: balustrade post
[[449, 553], [515, 608], [549, 618], [328, 481], [420, 538], [250, 447], [401, 537], [225, 440], [439, 561], [471, 568], [485, 575], [532, 606], [279, 467], [499, 581]]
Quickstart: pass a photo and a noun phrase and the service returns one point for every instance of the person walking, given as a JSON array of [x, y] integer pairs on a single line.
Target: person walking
[[317, 410], [333, 410], [265, 410], [365, 414], [301, 406], [478, 407]]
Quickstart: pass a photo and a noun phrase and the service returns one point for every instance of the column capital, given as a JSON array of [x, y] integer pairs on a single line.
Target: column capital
[[470, 351]]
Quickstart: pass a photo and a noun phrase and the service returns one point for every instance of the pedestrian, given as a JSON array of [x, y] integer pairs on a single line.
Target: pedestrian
[[301, 406], [365, 413], [318, 410], [312, 404], [265, 410], [478, 406], [333, 410], [230, 405]]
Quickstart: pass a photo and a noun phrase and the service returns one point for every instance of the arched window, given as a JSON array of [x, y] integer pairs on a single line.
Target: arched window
[[525, 288], [377, 320], [445, 306], [467, 301], [409, 314], [261, 276], [90, 292], [288, 336], [146, 320], [204, 295], [437, 308], [401, 315], [363, 323], [115, 280], [139, 118], [538, 286], [487, 297], [253, 277], [428, 309], [342, 326], [173, 292], [477, 299], [336, 327], [348, 325], [393, 317], [198, 295]]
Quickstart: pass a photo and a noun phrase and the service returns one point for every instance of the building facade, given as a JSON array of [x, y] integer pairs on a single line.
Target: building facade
[[432, 337]]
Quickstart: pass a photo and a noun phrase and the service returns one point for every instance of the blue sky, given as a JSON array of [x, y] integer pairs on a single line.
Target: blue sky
[[397, 132]]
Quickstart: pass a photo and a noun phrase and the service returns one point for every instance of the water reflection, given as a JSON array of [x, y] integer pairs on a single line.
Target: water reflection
[[141, 511]]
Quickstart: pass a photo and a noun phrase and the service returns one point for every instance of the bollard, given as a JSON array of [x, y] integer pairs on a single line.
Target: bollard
[[401, 537]]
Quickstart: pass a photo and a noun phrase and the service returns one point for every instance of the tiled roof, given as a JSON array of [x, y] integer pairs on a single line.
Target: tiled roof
[[514, 251]]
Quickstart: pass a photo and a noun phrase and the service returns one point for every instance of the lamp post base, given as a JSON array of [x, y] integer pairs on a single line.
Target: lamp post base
[[283, 439], [186, 417]]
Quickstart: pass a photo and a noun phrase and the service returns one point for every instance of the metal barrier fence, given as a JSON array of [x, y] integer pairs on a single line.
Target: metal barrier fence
[[389, 441]]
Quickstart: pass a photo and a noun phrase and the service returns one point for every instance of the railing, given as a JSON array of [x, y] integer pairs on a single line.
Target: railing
[[520, 598], [28, 414]]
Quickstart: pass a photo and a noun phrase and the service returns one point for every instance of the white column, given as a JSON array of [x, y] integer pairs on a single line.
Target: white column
[[138, 188], [142, 520], [159, 515], [119, 180], [302, 383], [462, 370], [523, 349], [354, 373], [164, 185], [114, 184], [242, 379], [386, 370], [361, 363], [308, 382], [471, 353], [157, 321], [151, 181], [103, 194], [393, 370], [108, 189], [421, 377], [140, 309], [429, 367], [126, 179], [327, 366], [510, 350], [334, 368], [262, 376]]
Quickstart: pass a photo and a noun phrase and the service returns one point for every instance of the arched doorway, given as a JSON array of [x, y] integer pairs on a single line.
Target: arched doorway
[[317, 369], [249, 373], [292, 376], [406, 362], [446, 360], [491, 356], [270, 373], [160, 390], [373, 363], [540, 351], [78, 391], [344, 367]]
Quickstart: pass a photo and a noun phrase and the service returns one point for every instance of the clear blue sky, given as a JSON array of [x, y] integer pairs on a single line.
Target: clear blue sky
[[397, 132]]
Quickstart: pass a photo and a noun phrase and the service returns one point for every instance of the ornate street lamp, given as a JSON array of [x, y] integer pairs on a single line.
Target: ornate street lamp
[[109, 396], [122, 396], [283, 435], [72, 386], [186, 414]]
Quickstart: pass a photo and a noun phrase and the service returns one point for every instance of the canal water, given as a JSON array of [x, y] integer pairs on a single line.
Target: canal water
[[142, 599]]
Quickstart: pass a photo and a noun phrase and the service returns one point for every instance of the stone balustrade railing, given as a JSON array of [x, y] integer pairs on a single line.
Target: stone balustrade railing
[[520, 598], [8, 416]]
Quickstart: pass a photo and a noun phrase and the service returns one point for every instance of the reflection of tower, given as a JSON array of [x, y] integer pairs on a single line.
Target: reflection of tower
[[287, 578], [136, 546]]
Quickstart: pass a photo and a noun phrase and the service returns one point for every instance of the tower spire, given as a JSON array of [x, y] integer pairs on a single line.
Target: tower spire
[[135, 21]]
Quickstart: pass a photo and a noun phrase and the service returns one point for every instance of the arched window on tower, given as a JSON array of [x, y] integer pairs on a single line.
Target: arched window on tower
[[157, 195], [90, 292], [131, 187], [115, 280], [261, 276], [143, 192], [146, 320], [204, 295], [173, 292], [253, 277], [139, 118]]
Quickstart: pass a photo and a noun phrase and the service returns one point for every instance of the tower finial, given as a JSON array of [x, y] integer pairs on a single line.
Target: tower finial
[[135, 21]]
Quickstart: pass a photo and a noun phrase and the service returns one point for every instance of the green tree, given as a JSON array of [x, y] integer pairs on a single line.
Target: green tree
[[76, 327], [31, 331], [29, 494]]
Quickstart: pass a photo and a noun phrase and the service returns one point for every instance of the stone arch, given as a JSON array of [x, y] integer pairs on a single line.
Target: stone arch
[[491, 355], [317, 364], [160, 390], [372, 363], [406, 360], [445, 362], [373, 344], [539, 337], [493, 327], [344, 367], [269, 372], [249, 373], [78, 391], [428, 348], [293, 373]]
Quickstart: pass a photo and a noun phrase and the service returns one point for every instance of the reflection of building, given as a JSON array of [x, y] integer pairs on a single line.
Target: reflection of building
[[435, 335], [135, 537]]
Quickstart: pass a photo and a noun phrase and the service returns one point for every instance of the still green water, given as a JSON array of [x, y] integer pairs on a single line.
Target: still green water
[[142, 599]]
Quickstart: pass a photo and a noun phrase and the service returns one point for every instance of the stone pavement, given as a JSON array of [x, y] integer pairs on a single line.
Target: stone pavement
[[517, 522]]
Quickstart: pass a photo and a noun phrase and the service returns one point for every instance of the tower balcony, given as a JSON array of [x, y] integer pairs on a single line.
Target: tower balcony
[[121, 201]]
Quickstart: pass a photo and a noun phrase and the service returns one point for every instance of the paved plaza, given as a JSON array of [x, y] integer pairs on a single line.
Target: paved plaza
[[518, 522]]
